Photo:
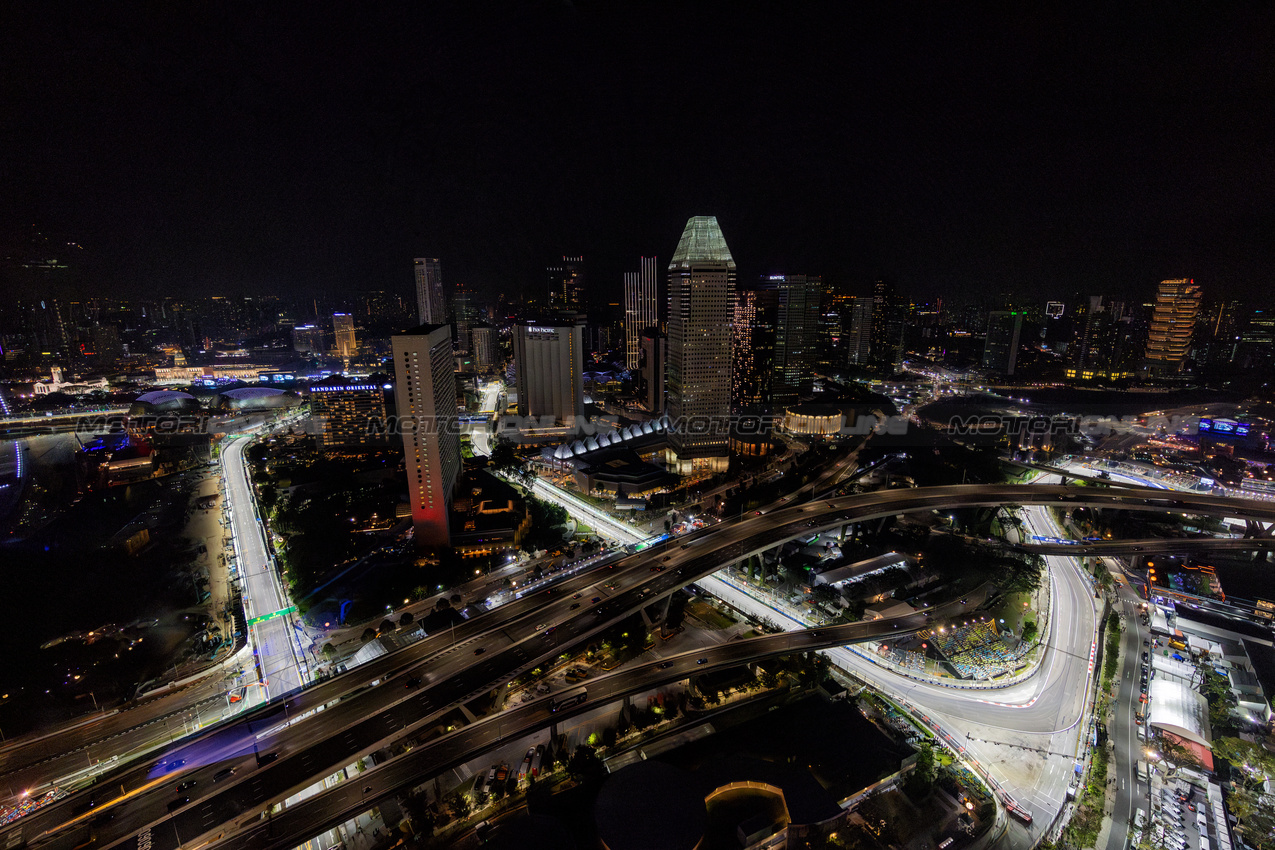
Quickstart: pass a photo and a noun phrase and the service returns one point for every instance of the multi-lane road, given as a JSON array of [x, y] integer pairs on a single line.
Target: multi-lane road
[[279, 658], [510, 641]]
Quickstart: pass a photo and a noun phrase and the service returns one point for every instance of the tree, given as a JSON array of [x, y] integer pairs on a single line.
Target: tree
[[329, 651], [924, 772], [407, 619], [1252, 760], [1030, 630], [369, 635], [387, 625]]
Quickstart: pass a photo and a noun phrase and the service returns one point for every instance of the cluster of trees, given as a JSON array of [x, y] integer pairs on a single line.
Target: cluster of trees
[[1012, 572], [1252, 765], [548, 524], [1217, 690]]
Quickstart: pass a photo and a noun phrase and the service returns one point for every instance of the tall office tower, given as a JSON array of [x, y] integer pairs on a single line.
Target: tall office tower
[[1217, 331], [1255, 341], [701, 291], [652, 364], [350, 414], [1000, 348], [1176, 304], [431, 307], [343, 328], [796, 331], [308, 339], [753, 347], [549, 364], [859, 344], [464, 313], [889, 323], [484, 342], [566, 286], [641, 309], [425, 395]]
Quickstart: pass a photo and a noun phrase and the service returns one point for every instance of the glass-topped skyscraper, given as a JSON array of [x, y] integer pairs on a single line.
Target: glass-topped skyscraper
[[701, 293]]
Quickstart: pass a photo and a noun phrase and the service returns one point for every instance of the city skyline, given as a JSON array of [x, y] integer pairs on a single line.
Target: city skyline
[[1137, 165]]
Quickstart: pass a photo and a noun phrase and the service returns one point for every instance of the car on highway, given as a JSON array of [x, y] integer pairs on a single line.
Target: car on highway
[[540, 627], [178, 803], [224, 774], [664, 665], [189, 783], [702, 661], [412, 682], [266, 758], [575, 606], [577, 596], [595, 600], [480, 650]]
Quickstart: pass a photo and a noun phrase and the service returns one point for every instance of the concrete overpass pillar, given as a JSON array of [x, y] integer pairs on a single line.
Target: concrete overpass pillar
[[1254, 529]]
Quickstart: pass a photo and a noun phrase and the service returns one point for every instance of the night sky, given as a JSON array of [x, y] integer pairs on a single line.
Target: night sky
[[242, 148]]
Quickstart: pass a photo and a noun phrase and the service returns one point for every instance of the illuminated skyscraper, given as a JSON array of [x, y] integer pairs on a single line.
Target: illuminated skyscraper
[[431, 308], [566, 286], [350, 413], [641, 309], [1176, 304], [308, 339], [464, 313], [549, 364], [889, 323], [701, 289], [1000, 348], [343, 328], [425, 395], [753, 347], [859, 344], [484, 341], [796, 331], [654, 361]]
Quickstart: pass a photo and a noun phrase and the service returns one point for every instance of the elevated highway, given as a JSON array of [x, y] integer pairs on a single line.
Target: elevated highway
[[487, 654]]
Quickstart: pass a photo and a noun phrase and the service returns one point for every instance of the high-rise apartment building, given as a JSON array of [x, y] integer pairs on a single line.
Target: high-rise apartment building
[[350, 414], [431, 307], [753, 347], [566, 286], [859, 339], [1104, 344], [343, 329], [425, 395], [1000, 347], [641, 309], [1176, 304], [653, 363], [549, 367], [701, 291], [796, 331], [484, 342]]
